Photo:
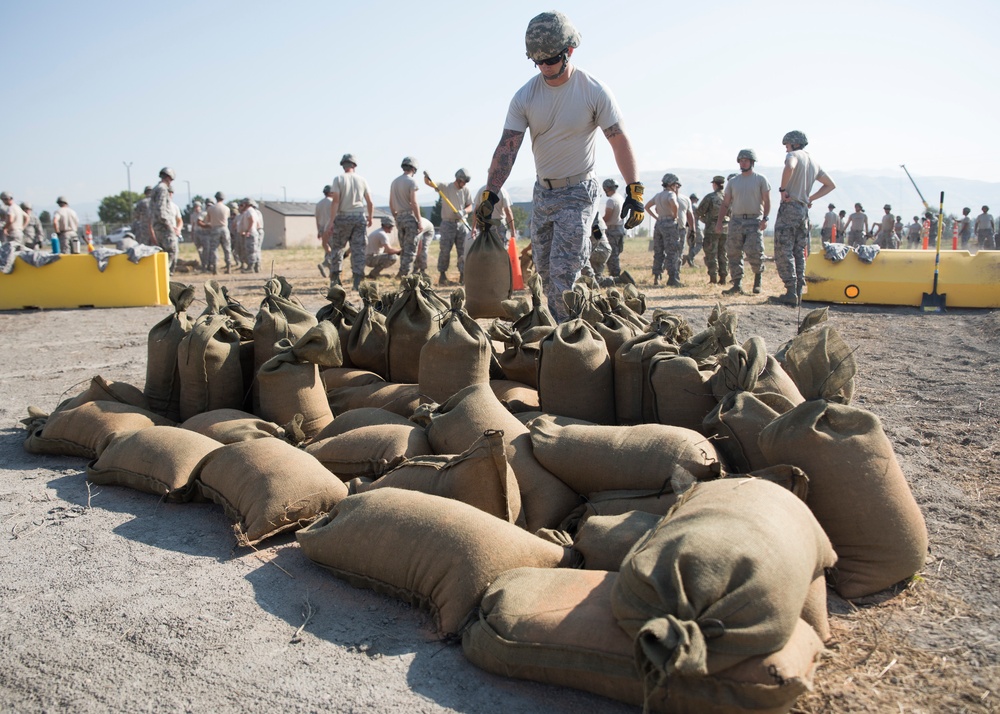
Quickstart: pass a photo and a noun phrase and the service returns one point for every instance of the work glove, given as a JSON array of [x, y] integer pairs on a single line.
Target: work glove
[[596, 233], [487, 202], [632, 210]]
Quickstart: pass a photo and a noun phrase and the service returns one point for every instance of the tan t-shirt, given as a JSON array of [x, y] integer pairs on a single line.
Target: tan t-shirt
[[218, 215], [352, 189], [746, 194], [68, 221], [804, 174], [459, 197], [663, 202], [888, 224], [378, 241], [17, 217], [856, 221], [400, 191]]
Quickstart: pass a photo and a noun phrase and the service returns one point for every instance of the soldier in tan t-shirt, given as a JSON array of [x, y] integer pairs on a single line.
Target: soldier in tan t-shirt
[[747, 200]]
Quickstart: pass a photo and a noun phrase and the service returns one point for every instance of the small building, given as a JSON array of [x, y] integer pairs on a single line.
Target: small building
[[289, 224]]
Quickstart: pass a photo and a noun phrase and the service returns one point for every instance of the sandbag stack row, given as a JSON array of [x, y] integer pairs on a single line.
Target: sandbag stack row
[[653, 524]]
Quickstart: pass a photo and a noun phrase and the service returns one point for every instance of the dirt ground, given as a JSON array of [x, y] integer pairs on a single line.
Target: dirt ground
[[112, 600]]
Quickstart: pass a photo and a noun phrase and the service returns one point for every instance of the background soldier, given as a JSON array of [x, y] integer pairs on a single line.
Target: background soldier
[[454, 229], [829, 221], [747, 202], [715, 240], [913, 233], [965, 228], [857, 226], [15, 221], [140, 218], [404, 207], [423, 240], [380, 253], [34, 234], [65, 223], [985, 228], [322, 220], [196, 215], [695, 238], [351, 211], [614, 226], [161, 217], [883, 231], [664, 208]]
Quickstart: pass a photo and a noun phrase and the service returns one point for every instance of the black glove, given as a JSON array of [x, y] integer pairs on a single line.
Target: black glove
[[632, 210], [596, 233], [487, 202]]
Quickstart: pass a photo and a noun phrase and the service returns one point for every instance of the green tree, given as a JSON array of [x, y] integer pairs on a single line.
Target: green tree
[[45, 218], [521, 219], [116, 209], [435, 216]]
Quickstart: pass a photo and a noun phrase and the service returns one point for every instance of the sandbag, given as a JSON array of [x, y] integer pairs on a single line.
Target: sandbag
[[370, 451], [480, 477], [208, 360], [604, 541], [267, 487], [401, 399], [616, 330], [821, 364], [857, 491], [575, 376], [590, 458], [434, 552], [454, 426], [749, 368], [230, 426], [342, 314], [101, 390], [335, 377], [735, 425], [616, 503], [280, 317], [412, 320], [289, 383], [682, 395], [713, 341], [515, 396], [367, 342], [158, 460], [488, 276], [456, 356], [84, 430], [357, 418], [722, 578], [633, 394], [519, 360], [163, 384]]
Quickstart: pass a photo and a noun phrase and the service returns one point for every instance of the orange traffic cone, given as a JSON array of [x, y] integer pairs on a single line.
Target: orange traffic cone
[[515, 265]]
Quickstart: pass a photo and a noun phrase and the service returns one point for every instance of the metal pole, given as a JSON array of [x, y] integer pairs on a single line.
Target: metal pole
[[128, 175], [285, 191], [189, 191]]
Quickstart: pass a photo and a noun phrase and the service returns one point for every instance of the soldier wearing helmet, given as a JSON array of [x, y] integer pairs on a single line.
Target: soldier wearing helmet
[[614, 225], [747, 200], [162, 221], [351, 211], [215, 229], [857, 226], [140, 218], [34, 234], [15, 220], [666, 208], [829, 222], [709, 212], [965, 228], [404, 207], [791, 227], [985, 228], [454, 224], [563, 106], [65, 223], [884, 233], [322, 220], [695, 239]]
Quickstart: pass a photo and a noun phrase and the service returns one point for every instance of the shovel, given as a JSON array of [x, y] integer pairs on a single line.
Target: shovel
[[933, 302]]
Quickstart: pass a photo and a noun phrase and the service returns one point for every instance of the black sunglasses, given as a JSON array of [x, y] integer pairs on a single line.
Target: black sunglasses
[[551, 60]]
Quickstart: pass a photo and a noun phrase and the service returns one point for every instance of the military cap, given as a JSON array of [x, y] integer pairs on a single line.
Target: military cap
[[348, 159], [388, 221], [718, 179], [461, 175], [168, 172]]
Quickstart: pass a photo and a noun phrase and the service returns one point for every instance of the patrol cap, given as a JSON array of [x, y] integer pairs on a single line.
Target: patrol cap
[[795, 138], [348, 159], [4, 196], [168, 172], [388, 221], [327, 189], [548, 34], [62, 201], [409, 161], [670, 179], [609, 185], [719, 179], [461, 175], [25, 206], [220, 196], [747, 154], [889, 208], [148, 190]]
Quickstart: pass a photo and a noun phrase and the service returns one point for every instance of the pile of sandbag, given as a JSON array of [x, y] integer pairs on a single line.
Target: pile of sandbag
[[615, 503]]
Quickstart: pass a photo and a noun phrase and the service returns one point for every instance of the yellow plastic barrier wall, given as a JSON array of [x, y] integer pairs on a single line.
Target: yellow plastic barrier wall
[[75, 281], [901, 277]]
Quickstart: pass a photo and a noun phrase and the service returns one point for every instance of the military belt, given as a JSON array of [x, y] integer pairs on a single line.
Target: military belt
[[551, 183]]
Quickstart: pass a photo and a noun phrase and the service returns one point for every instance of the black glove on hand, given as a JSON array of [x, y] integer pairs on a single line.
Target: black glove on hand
[[487, 202], [596, 233], [633, 211]]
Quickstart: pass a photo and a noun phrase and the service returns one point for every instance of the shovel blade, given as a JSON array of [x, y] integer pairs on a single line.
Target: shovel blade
[[933, 302]]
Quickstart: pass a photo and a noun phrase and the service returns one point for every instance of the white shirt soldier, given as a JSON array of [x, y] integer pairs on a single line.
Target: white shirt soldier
[[563, 107], [351, 211], [747, 202], [454, 223], [381, 251]]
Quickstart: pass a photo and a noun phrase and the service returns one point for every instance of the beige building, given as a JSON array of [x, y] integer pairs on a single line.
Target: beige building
[[289, 224]]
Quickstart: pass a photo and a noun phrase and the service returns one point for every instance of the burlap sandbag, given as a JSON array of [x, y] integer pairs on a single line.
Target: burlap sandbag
[[400, 399], [208, 360], [84, 430], [230, 426], [519, 360], [341, 313], [101, 390], [289, 382], [715, 339], [857, 491], [358, 418], [280, 317], [456, 356], [821, 364], [488, 276], [722, 578], [455, 425], [434, 552], [633, 394], [575, 376], [604, 541], [412, 320], [682, 395], [615, 330], [267, 487], [590, 458], [480, 477], [335, 377], [749, 368], [163, 384], [158, 460], [581, 301], [218, 301], [556, 626], [616, 503], [735, 425], [629, 304], [515, 396], [370, 451], [368, 341]]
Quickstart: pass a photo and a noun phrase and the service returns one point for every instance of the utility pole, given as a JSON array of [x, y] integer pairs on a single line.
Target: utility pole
[[285, 191], [189, 191], [128, 176]]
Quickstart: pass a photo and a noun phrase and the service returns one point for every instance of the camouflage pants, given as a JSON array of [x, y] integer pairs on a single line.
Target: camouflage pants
[[409, 233], [381, 261], [964, 239], [560, 237], [985, 239], [791, 237], [167, 240], [668, 246], [600, 252], [855, 238], [348, 229], [251, 248], [211, 240], [616, 237], [453, 233], [423, 246], [745, 237], [223, 239], [695, 241], [715, 255]]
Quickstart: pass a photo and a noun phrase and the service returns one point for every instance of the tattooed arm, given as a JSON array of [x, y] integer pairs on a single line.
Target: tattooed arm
[[622, 148], [503, 159]]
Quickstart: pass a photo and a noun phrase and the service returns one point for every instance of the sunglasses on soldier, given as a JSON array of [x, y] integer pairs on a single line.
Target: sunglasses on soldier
[[551, 60]]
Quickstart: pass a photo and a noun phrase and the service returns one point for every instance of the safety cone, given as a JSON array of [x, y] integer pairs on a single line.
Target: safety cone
[[954, 236], [515, 265]]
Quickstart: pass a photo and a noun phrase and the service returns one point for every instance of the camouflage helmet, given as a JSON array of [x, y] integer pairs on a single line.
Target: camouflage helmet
[[148, 190], [609, 185], [887, 207], [210, 201], [548, 35], [966, 211], [409, 161], [167, 172], [747, 154], [986, 209], [670, 179], [388, 221], [719, 179], [25, 206], [461, 175], [4, 196], [220, 196], [795, 138], [348, 159], [327, 189]]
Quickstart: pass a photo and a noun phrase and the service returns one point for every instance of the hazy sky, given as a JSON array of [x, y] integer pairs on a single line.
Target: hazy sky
[[263, 98]]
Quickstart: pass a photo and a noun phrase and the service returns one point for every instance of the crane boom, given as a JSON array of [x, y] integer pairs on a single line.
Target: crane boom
[[926, 206]]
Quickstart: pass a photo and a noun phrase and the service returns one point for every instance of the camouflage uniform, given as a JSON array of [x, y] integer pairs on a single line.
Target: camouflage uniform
[[695, 242], [715, 243], [560, 232], [34, 234], [453, 233], [423, 241], [744, 236], [984, 230], [409, 233], [964, 231], [791, 236], [140, 221], [348, 229], [161, 217], [667, 246]]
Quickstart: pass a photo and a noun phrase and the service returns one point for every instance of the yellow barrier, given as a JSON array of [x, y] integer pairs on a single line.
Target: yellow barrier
[[75, 281], [901, 277]]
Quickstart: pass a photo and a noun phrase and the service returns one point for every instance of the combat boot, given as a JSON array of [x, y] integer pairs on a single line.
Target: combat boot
[[656, 279], [756, 283], [335, 280], [358, 277], [229, 268], [374, 273], [322, 269], [625, 278], [789, 298], [737, 288], [443, 279], [712, 280], [673, 282]]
